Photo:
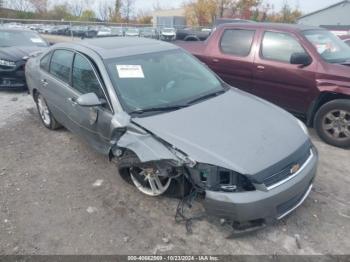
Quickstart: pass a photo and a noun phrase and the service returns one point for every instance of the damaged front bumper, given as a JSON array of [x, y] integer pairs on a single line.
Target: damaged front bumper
[[263, 204], [12, 79]]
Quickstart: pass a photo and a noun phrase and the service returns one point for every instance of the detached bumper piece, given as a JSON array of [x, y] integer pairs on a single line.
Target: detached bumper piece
[[266, 204]]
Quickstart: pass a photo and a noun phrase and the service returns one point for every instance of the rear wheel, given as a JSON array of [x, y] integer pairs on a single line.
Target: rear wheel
[[45, 114], [332, 122]]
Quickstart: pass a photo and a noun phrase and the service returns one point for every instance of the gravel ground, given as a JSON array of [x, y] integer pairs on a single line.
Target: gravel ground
[[57, 196]]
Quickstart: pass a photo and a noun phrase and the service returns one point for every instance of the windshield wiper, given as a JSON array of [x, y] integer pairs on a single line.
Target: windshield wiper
[[157, 109], [207, 96]]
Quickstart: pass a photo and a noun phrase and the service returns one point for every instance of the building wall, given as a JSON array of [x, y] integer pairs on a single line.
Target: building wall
[[337, 15], [167, 16]]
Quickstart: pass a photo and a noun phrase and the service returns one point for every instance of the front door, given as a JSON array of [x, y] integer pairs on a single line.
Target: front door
[[91, 123], [276, 79]]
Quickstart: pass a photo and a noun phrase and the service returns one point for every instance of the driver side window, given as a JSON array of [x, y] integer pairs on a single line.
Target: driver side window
[[84, 79], [279, 46]]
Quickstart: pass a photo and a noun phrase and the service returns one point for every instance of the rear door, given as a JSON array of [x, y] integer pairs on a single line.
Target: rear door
[[276, 79], [232, 57], [55, 80]]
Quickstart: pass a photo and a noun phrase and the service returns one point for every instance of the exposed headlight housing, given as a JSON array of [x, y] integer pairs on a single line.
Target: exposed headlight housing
[[303, 127], [7, 63], [220, 179]]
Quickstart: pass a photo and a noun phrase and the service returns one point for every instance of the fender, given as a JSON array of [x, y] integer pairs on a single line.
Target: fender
[[329, 90], [333, 86], [145, 146]]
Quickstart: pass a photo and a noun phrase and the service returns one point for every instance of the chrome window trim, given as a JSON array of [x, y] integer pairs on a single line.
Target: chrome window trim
[[294, 175], [70, 85], [96, 75]]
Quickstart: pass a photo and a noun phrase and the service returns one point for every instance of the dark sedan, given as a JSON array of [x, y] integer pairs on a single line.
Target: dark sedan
[[15, 47]]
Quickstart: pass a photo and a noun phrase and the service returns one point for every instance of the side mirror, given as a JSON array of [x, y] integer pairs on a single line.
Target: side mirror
[[89, 100], [301, 59]]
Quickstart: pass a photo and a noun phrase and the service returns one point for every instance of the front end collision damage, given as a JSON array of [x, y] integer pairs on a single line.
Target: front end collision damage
[[150, 150], [237, 198]]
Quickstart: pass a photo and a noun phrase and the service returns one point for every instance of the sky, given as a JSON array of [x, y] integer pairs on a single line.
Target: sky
[[306, 6]]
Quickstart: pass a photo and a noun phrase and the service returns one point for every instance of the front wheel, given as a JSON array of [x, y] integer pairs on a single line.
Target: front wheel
[[150, 180], [332, 123]]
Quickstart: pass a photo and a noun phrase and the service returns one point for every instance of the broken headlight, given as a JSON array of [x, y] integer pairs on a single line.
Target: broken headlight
[[220, 179]]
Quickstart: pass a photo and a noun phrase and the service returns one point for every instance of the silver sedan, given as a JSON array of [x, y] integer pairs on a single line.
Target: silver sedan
[[168, 121]]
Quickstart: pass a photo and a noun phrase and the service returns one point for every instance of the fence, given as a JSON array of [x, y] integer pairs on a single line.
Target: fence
[[5, 21], [88, 29]]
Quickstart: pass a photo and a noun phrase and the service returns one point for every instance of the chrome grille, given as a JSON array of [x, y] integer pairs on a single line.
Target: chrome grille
[[286, 171]]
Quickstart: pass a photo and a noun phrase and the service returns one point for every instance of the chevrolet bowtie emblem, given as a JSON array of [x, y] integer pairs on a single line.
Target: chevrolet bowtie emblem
[[295, 168]]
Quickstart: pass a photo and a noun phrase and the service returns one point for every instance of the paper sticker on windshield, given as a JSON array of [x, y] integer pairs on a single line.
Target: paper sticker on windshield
[[130, 71], [36, 40]]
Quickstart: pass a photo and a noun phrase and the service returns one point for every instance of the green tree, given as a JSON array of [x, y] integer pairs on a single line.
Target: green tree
[[117, 9], [88, 15], [201, 12], [285, 15], [245, 8], [59, 12]]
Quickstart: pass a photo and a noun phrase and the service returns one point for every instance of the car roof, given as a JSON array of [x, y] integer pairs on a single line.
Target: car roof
[[273, 26], [116, 47]]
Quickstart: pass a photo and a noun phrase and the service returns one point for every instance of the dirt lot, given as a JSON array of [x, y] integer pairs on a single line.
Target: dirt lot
[[50, 202]]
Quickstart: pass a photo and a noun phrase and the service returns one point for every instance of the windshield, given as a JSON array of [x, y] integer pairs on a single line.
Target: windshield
[[148, 30], [105, 30], [20, 38], [116, 29], [133, 30], [168, 30], [160, 79], [329, 46]]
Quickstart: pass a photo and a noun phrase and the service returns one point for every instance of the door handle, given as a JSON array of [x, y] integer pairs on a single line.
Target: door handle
[[72, 100], [215, 60], [260, 68], [44, 83]]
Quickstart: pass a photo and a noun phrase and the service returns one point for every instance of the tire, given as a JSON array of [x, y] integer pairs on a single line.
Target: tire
[[45, 114], [332, 123], [191, 38]]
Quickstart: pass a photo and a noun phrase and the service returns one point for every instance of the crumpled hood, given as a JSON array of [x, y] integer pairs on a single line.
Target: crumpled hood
[[234, 130], [16, 53]]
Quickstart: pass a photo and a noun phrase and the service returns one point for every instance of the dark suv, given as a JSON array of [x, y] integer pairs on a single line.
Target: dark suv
[[302, 69]]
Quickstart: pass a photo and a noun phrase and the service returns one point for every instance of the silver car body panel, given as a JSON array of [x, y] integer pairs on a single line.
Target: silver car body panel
[[146, 147]]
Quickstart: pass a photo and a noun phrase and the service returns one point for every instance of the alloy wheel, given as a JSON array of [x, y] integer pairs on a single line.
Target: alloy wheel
[[43, 110], [337, 124], [150, 181]]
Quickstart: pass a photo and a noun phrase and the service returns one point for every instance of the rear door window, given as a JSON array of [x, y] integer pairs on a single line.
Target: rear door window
[[237, 42], [279, 46], [61, 64]]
